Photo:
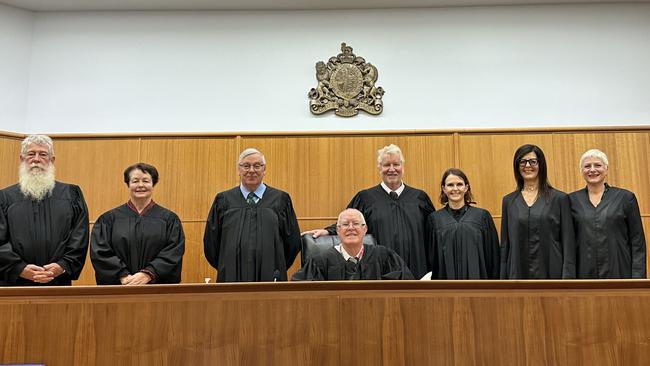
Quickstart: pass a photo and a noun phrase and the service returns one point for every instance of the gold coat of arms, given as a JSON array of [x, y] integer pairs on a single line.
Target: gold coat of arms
[[346, 84]]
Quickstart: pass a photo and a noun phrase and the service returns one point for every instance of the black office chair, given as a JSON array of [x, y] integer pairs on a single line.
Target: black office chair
[[312, 246]]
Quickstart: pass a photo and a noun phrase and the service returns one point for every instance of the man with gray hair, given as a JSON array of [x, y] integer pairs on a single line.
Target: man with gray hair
[[353, 260], [43, 223], [396, 213], [252, 232]]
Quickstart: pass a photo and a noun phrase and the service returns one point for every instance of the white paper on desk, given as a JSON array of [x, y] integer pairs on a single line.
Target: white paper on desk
[[426, 276]]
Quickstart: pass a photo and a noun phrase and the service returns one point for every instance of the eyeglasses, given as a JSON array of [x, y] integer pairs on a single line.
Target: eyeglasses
[[354, 225], [255, 167], [532, 162]]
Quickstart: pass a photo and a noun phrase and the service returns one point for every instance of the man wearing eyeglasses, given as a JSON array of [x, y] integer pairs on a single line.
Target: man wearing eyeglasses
[[252, 232], [43, 222], [353, 260]]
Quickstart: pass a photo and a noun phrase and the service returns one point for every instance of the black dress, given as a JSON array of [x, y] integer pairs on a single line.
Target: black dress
[[610, 238], [464, 244], [537, 242], [397, 224], [53, 230], [377, 263], [124, 242], [251, 242]]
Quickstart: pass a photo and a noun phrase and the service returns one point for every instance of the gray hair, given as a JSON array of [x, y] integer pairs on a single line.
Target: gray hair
[[354, 210], [389, 149], [250, 151], [40, 140], [594, 153]]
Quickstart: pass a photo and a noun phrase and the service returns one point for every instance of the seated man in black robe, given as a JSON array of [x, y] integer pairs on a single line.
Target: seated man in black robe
[[396, 213], [353, 260], [43, 223], [252, 231]]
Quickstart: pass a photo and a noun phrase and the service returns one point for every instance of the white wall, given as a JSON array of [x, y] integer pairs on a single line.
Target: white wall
[[482, 67], [15, 45]]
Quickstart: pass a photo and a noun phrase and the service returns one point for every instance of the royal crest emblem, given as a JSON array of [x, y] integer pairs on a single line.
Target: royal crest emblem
[[346, 84]]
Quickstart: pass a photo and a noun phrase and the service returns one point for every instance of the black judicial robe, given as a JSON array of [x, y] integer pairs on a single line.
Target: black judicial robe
[[466, 248], [537, 242], [53, 230], [610, 238], [251, 242], [398, 224], [123, 243], [377, 263]]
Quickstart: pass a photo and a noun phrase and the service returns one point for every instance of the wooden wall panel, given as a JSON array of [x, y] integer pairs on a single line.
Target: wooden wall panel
[[192, 171], [344, 323], [323, 173], [627, 152], [97, 166], [9, 159], [172, 329], [486, 159], [514, 328]]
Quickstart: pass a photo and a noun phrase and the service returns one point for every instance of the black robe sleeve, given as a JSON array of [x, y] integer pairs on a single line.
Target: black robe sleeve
[[76, 245], [636, 238], [505, 245], [109, 268], [167, 264], [313, 270], [394, 268], [432, 247], [568, 239], [427, 208], [290, 232], [491, 247], [11, 264], [212, 235]]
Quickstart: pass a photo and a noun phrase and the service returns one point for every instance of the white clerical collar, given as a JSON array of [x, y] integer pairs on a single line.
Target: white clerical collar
[[388, 190]]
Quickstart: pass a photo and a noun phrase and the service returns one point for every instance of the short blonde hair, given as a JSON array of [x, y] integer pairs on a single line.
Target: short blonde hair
[[594, 153], [389, 149]]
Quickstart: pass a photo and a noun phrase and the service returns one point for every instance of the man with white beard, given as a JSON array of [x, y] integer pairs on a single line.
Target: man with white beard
[[43, 223]]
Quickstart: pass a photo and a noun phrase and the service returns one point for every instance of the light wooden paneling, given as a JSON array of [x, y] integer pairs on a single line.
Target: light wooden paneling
[[342, 323], [323, 173], [627, 152], [491, 328], [9, 160], [172, 329], [192, 171], [97, 166], [486, 159], [195, 267]]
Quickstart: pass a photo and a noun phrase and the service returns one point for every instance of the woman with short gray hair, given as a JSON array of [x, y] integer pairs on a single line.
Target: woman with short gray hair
[[608, 227]]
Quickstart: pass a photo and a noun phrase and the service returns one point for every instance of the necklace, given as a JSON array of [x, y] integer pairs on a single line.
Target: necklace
[[529, 189]]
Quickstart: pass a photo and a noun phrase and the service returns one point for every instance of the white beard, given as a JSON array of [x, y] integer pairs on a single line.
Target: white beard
[[35, 183]]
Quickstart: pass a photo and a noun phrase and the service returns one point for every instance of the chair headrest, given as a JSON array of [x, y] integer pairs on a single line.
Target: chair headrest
[[313, 246]]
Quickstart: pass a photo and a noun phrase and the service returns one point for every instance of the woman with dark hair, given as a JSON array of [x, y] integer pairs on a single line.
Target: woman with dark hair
[[537, 239], [140, 241], [463, 239], [609, 231]]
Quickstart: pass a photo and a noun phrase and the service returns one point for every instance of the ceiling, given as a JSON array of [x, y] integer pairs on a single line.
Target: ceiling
[[146, 5]]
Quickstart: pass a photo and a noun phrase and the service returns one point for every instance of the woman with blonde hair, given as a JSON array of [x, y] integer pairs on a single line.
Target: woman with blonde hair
[[609, 232]]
